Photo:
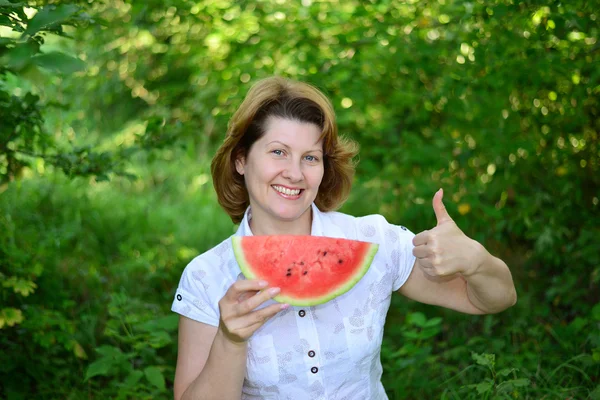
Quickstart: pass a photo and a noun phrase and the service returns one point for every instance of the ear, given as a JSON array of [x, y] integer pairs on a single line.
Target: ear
[[240, 162]]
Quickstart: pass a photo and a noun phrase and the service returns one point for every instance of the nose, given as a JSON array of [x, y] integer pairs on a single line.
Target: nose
[[293, 172]]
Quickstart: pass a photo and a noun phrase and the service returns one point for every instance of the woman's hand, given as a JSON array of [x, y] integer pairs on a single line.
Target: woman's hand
[[445, 251], [239, 319]]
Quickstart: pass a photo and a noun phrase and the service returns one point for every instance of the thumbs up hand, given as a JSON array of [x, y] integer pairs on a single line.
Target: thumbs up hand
[[444, 251]]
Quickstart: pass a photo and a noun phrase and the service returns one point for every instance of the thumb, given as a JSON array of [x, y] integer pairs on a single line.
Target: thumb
[[438, 207]]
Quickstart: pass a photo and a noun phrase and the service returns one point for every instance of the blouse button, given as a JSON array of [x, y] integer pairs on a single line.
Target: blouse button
[[179, 297], [314, 370], [311, 353], [302, 313]]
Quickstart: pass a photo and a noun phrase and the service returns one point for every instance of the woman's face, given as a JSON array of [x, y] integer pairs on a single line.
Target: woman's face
[[283, 171]]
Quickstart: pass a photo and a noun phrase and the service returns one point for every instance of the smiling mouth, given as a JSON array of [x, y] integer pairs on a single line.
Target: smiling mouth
[[287, 192]]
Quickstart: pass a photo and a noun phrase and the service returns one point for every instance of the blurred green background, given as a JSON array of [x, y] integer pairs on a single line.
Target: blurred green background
[[110, 112]]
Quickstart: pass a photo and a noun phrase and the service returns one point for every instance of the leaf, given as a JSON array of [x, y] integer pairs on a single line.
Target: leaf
[[578, 324], [427, 333], [485, 359], [159, 339], [24, 287], [109, 351], [432, 322], [417, 319], [99, 367], [49, 16], [19, 56], [412, 334], [79, 351], [155, 377], [58, 62], [5, 21], [506, 371], [10, 317], [111, 358], [483, 387], [522, 382], [133, 378]]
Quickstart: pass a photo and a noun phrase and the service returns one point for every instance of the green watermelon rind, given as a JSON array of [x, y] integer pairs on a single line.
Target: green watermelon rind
[[313, 301]]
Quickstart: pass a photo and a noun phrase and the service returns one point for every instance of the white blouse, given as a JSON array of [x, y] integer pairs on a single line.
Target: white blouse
[[330, 351]]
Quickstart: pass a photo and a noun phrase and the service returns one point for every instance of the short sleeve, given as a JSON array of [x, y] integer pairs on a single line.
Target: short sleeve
[[198, 294], [401, 253], [395, 241]]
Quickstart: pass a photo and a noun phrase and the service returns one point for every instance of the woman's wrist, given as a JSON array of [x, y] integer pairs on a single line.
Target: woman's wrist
[[231, 346], [479, 256]]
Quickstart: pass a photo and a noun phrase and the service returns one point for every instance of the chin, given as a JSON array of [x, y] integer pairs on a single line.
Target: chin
[[290, 214]]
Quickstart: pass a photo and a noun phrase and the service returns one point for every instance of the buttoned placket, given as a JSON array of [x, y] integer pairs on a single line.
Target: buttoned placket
[[311, 356], [305, 322]]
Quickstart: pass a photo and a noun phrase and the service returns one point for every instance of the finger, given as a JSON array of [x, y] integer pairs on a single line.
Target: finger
[[250, 304], [246, 295], [422, 251], [251, 322], [431, 266], [440, 210], [426, 265], [264, 314], [440, 279], [239, 287], [421, 238]]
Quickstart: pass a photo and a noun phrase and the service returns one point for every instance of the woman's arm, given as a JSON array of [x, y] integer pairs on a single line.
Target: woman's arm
[[207, 367], [490, 286], [454, 271], [211, 361], [485, 292]]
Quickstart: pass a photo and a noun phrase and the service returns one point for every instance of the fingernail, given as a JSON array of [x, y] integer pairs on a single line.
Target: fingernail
[[274, 290], [262, 283], [284, 306]]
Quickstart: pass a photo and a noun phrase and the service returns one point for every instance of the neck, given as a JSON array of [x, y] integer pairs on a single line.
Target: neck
[[301, 226]]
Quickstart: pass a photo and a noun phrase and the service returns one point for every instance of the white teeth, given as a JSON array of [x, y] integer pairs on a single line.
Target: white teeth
[[289, 192]]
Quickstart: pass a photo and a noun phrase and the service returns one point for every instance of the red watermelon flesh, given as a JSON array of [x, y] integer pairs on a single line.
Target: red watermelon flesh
[[310, 270]]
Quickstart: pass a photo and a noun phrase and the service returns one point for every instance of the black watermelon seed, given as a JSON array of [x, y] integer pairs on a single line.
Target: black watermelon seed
[[288, 274], [340, 261], [324, 253], [305, 272]]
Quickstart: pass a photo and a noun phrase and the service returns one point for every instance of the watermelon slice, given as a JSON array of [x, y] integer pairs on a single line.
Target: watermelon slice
[[310, 270]]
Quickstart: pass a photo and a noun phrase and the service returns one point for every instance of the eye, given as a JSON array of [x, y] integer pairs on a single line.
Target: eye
[[277, 152], [311, 159]]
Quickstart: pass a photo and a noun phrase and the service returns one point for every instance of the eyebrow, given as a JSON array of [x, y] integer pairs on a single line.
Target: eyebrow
[[287, 147]]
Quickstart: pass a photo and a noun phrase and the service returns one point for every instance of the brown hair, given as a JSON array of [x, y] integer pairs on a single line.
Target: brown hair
[[285, 98]]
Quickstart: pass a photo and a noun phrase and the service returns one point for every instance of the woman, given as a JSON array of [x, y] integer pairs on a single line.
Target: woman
[[282, 169]]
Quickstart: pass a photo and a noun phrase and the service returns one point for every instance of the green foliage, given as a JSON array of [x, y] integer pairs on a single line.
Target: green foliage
[[91, 257], [27, 62], [495, 101], [134, 328], [491, 387]]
